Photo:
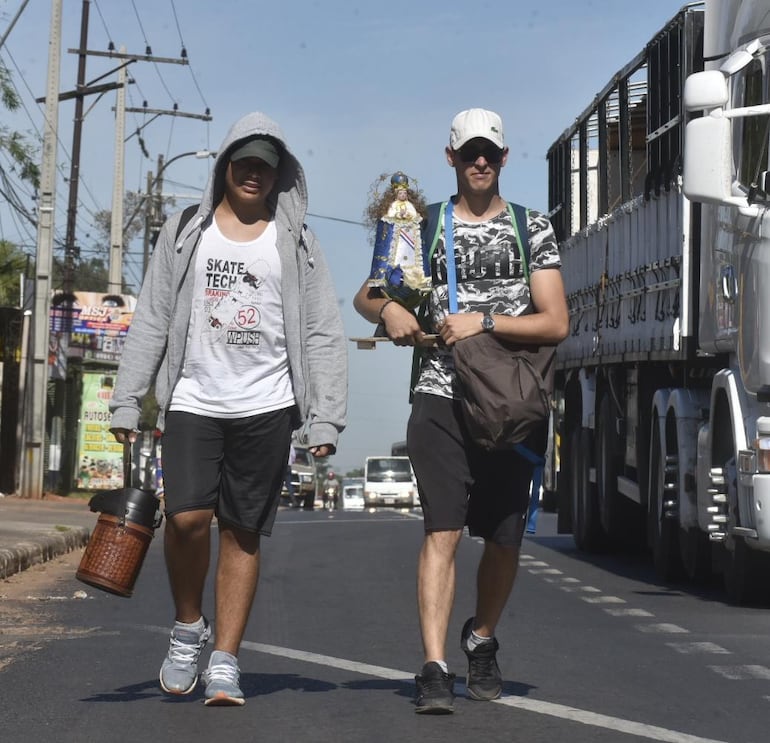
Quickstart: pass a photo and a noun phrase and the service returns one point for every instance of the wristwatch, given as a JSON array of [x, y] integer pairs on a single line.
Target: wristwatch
[[487, 323]]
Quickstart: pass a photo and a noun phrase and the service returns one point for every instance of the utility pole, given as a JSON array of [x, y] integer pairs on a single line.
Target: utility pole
[[115, 281], [148, 210], [31, 484], [70, 249]]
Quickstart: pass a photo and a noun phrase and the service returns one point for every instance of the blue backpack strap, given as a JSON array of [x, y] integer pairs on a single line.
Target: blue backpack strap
[[449, 249]]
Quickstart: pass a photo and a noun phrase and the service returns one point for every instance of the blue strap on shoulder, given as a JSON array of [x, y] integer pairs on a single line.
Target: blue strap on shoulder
[[449, 249]]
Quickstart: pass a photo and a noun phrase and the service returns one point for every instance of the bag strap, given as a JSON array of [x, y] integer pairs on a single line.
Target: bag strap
[[187, 214], [519, 218], [449, 249]]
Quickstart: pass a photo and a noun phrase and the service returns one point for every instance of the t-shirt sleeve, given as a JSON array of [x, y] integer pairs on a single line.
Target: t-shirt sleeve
[[543, 248]]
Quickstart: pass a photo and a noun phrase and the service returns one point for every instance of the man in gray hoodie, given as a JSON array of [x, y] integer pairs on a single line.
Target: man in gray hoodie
[[238, 327]]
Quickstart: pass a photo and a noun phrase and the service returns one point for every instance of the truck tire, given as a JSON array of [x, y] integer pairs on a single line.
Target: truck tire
[[586, 522], [620, 517], [744, 571], [662, 522]]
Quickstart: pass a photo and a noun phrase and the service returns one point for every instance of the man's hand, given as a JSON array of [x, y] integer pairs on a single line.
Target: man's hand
[[124, 434], [322, 450], [401, 325], [462, 325]]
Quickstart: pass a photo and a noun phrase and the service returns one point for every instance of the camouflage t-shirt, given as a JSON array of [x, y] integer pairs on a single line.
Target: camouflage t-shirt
[[490, 279]]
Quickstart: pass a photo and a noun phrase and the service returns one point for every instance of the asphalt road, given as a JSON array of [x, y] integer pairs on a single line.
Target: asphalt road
[[593, 651]]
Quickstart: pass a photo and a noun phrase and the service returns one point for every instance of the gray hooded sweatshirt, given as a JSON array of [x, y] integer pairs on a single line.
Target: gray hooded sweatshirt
[[155, 344]]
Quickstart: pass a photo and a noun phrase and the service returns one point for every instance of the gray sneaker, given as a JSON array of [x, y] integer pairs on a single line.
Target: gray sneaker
[[179, 672], [221, 679]]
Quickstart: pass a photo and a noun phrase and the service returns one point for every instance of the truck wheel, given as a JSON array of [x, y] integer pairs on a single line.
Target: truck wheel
[[662, 515], [309, 501], [745, 571], [586, 523]]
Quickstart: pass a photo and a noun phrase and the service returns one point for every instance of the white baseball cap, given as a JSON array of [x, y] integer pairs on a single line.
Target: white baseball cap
[[476, 122]]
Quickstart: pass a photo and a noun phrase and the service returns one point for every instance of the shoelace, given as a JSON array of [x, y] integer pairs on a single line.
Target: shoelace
[[483, 663], [223, 672], [184, 652], [435, 682]]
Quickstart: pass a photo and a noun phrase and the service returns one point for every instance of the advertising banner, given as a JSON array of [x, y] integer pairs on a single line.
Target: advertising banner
[[100, 457], [95, 324]]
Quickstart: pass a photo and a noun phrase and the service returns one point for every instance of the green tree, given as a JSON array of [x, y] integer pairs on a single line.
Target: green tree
[[13, 263], [21, 152], [90, 275], [133, 211]]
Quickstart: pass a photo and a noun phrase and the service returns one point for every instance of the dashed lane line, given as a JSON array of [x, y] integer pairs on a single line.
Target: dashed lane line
[[692, 648], [743, 673]]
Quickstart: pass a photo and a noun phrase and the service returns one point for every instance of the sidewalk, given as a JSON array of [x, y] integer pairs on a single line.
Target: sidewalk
[[34, 531]]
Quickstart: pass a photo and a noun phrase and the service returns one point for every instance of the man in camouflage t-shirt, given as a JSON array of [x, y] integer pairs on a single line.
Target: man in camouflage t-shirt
[[459, 483]]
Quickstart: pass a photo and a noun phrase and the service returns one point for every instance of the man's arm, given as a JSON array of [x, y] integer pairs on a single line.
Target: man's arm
[[549, 323], [400, 323]]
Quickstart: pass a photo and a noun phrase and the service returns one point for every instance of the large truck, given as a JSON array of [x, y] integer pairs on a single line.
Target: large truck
[[659, 193]]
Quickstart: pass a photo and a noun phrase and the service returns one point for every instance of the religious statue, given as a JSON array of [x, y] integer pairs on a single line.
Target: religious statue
[[399, 266]]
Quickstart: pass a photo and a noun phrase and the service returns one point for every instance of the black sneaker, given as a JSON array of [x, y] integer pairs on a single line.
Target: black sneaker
[[435, 691], [484, 681]]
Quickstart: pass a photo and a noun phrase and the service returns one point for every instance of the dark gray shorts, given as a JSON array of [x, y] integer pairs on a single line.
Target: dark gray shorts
[[234, 465], [461, 484]]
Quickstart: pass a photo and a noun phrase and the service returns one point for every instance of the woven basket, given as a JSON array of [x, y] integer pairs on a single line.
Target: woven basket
[[114, 555]]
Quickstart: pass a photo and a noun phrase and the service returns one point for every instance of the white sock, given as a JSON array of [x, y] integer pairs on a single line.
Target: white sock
[[198, 626], [444, 666], [475, 640]]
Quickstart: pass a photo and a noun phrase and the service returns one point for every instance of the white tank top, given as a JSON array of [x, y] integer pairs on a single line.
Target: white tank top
[[235, 362]]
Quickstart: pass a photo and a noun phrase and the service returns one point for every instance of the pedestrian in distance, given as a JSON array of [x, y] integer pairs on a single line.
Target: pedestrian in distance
[[460, 483], [238, 327]]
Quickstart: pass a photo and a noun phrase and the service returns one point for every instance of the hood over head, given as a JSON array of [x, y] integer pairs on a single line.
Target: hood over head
[[289, 196]]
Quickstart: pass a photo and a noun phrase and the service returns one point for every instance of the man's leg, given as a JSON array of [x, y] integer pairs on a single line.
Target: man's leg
[[494, 582], [436, 590], [187, 541], [435, 596], [236, 585]]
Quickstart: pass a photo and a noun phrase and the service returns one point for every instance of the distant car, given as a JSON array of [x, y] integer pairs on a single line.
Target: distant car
[[352, 497], [303, 477]]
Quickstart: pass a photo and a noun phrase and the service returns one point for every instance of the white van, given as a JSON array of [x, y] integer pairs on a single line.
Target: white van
[[390, 481]]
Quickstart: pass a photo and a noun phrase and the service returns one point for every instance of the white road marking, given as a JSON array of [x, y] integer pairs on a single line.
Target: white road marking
[[690, 648], [532, 705], [603, 600], [629, 612], [742, 673], [594, 719], [663, 628], [561, 711], [578, 589]]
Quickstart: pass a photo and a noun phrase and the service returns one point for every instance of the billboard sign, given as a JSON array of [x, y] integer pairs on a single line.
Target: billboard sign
[[100, 457]]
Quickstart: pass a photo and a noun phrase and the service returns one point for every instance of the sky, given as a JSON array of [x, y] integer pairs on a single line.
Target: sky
[[359, 89]]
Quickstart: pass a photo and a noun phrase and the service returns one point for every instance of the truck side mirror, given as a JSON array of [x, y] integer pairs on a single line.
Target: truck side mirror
[[708, 164], [705, 90]]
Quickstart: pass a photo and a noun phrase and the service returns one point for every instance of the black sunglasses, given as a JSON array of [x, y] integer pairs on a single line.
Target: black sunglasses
[[469, 153]]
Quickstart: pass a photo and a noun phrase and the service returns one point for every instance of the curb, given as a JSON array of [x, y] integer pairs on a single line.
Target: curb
[[26, 554]]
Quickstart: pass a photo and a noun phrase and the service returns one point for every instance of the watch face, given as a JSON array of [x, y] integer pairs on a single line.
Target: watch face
[[487, 322]]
